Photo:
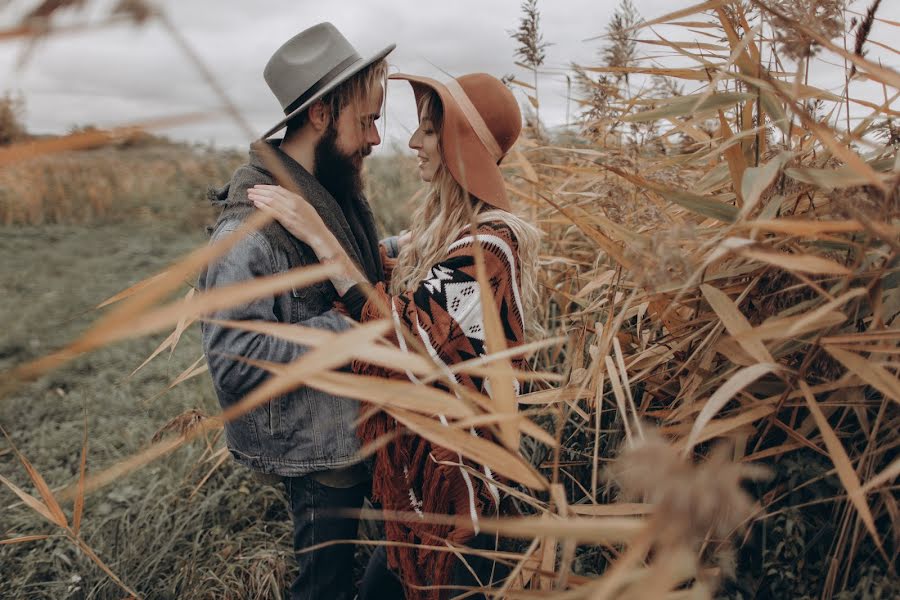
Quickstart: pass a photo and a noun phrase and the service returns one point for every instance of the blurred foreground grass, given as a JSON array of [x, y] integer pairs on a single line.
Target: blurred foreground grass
[[231, 540], [226, 541]]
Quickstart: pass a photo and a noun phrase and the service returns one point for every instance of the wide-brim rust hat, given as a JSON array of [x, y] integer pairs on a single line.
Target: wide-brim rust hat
[[481, 123], [311, 64]]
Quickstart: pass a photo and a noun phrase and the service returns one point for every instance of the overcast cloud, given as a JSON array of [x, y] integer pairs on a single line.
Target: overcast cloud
[[126, 74]]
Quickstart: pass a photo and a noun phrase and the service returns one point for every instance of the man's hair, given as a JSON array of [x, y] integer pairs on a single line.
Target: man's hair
[[354, 90]]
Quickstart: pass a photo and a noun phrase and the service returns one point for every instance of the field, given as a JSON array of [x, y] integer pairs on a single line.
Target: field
[[229, 537], [713, 404], [53, 276]]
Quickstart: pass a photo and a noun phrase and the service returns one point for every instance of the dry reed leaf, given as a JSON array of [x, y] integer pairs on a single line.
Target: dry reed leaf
[[91, 139], [734, 155], [172, 341], [220, 457], [481, 362], [132, 463], [32, 502], [556, 395], [192, 371], [890, 472], [79, 488], [842, 464], [685, 45], [494, 456], [294, 374], [678, 14], [701, 205], [385, 356], [166, 344], [804, 263], [603, 531], [804, 228], [862, 337], [31, 30], [501, 381], [207, 303], [806, 320], [737, 382], [679, 106], [870, 372], [829, 179], [689, 74], [390, 393], [619, 509], [619, 394], [611, 248], [756, 180], [23, 539], [528, 171], [49, 500], [826, 136], [735, 322], [720, 427], [786, 327], [134, 289]]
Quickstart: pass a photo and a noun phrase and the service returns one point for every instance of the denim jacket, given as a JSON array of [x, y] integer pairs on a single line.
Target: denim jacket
[[305, 430]]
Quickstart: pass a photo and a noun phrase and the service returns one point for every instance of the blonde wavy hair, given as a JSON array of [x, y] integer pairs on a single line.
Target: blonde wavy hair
[[439, 221]]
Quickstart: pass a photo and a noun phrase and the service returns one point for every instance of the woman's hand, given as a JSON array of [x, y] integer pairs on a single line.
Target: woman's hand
[[303, 221], [293, 212]]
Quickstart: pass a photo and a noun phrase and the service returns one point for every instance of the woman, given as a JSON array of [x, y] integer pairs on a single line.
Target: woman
[[466, 126]]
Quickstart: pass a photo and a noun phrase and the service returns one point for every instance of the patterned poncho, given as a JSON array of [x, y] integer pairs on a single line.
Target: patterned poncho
[[410, 474]]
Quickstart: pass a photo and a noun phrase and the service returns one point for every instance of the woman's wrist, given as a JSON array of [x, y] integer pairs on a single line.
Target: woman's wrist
[[330, 250], [342, 284]]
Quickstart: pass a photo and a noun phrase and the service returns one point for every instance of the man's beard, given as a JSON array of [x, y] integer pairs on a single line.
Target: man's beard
[[339, 173]]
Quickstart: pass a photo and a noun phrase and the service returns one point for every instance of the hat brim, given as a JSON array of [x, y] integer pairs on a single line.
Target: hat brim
[[466, 157], [340, 78]]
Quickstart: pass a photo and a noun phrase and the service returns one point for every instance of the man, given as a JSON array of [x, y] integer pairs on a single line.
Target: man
[[332, 99]]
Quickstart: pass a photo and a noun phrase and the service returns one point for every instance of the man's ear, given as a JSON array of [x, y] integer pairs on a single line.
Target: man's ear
[[318, 116]]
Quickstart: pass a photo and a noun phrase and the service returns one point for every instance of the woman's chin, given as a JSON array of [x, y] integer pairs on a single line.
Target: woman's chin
[[425, 175]]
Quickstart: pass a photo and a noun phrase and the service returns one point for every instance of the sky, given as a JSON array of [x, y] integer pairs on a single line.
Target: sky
[[124, 74]]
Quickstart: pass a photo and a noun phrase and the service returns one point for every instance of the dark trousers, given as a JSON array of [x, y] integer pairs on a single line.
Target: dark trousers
[[326, 573], [380, 583]]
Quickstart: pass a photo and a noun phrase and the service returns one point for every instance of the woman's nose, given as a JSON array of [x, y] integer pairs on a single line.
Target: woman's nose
[[414, 142]]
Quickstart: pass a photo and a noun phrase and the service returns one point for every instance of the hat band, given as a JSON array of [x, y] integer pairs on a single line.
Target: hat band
[[321, 83], [474, 118]]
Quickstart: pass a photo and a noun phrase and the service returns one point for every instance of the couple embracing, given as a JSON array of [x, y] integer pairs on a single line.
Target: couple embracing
[[332, 99]]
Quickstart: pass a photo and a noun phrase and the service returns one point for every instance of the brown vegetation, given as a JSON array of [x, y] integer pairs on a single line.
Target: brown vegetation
[[717, 264]]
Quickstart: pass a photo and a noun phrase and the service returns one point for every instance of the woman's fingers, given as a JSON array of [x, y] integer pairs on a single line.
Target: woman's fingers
[[275, 202], [276, 191], [272, 206]]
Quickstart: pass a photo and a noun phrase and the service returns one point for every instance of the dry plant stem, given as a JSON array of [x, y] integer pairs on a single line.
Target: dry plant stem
[[205, 72], [52, 511]]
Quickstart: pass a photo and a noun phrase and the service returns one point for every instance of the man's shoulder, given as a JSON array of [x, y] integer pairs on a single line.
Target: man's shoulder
[[246, 176]]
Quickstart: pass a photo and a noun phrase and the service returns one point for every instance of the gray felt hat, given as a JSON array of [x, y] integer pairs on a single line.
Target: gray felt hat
[[311, 64]]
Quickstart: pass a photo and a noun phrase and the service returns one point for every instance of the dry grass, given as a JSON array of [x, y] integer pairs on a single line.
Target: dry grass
[[142, 180], [732, 275]]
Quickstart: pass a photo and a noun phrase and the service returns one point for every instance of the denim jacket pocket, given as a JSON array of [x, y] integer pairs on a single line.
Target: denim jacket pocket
[[308, 302]]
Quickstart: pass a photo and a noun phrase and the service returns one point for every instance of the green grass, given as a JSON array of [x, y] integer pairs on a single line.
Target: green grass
[[231, 540]]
